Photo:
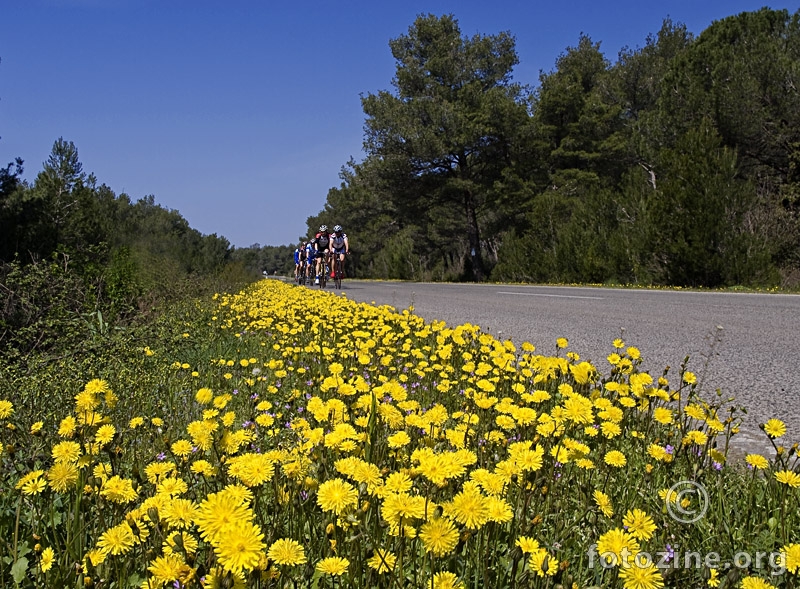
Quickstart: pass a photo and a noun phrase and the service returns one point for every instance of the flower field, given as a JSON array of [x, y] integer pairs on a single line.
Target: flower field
[[285, 437]]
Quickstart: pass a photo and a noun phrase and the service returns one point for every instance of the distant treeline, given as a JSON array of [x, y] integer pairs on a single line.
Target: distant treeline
[[76, 258], [678, 164]]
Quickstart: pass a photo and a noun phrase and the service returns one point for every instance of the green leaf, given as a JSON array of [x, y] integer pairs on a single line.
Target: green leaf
[[19, 569]]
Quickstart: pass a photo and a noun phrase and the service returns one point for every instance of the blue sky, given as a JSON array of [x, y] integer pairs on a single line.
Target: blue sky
[[240, 114]]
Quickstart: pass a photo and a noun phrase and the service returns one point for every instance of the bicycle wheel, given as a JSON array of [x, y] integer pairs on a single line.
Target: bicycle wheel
[[337, 281]]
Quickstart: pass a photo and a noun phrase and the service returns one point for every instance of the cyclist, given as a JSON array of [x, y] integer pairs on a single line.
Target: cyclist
[[299, 256], [322, 250], [311, 257], [340, 246]]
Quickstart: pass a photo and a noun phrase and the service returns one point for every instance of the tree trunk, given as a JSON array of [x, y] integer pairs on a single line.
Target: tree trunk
[[474, 236]]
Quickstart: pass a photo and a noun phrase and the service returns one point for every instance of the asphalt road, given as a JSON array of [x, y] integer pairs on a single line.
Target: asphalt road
[[746, 345]]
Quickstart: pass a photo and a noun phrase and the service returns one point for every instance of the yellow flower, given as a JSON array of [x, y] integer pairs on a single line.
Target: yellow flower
[[790, 557], [204, 396], [645, 577], [66, 451], [695, 437], [639, 524], [168, 568], [663, 415], [336, 495], [239, 546], [287, 552], [182, 448], [615, 458], [788, 477], [756, 583], [333, 565], [542, 563], [615, 544], [47, 559], [117, 540], [603, 502], [713, 578], [398, 440], [6, 409], [446, 580], [757, 461], [37, 427], [439, 536], [62, 476], [382, 561], [66, 428], [562, 342], [105, 434], [119, 490], [32, 483], [775, 428], [469, 507]]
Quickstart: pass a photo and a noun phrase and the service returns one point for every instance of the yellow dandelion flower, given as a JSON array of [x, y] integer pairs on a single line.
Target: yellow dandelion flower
[[640, 525], [239, 546], [615, 458], [117, 540], [105, 434], [287, 552], [788, 477], [446, 580], [62, 476], [336, 495], [382, 561], [645, 577], [439, 536], [603, 503], [775, 428], [47, 559], [66, 452], [66, 429], [333, 565], [790, 557], [616, 544], [6, 409]]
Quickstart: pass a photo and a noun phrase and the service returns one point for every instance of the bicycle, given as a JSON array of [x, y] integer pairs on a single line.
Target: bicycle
[[337, 272], [323, 277]]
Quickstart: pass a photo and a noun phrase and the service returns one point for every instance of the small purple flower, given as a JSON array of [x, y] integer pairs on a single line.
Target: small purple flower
[[717, 466], [669, 553], [669, 449], [235, 391], [161, 456]]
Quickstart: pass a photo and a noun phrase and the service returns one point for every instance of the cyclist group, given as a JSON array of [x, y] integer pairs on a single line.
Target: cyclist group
[[326, 250]]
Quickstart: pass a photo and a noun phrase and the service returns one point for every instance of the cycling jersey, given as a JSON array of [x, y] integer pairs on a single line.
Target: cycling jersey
[[337, 242], [323, 241]]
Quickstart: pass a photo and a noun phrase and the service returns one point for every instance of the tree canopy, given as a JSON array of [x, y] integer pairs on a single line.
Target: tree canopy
[[676, 164]]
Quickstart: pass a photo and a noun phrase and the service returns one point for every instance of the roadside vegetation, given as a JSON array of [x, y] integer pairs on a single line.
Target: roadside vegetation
[[244, 442]]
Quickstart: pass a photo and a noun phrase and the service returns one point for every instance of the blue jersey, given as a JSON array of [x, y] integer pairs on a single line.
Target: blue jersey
[[297, 255]]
